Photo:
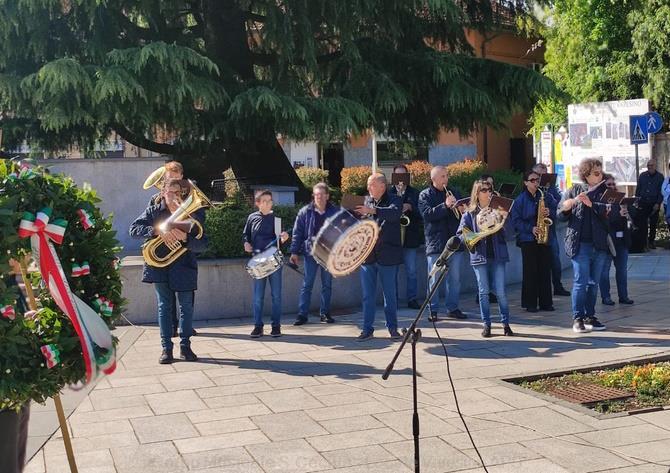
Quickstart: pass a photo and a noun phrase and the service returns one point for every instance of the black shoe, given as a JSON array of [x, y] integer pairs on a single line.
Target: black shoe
[[276, 331], [608, 302], [395, 335], [626, 301], [507, 331], [594, 324], [486, 332], [166, 357], [548, 309], [493, 299], [300, 321], [652, 245], [579, 327], [532, 310], [413, 304], [433, 317], [561, 291], [257, 332], [187, 354], [365, 336], [326, 318], [456, 314]]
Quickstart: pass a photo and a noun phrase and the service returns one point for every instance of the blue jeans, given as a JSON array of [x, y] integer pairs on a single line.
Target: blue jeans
[[588, 266], [492, 271], [555, 261], [451, 284], [311, 268], [166, 298], [389, 275], [259, 296], [409, 254], [621, 267]]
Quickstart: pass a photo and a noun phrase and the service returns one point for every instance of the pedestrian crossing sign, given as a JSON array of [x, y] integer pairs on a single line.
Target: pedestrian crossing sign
[[638, 129]]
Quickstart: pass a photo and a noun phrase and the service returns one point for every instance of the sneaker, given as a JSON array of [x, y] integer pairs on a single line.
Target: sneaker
[[365, 336], [326, 318], [187, 354], [433, 317], [579, 327], [608, 302], [486, 332], [561, 291], [395, 335], [300, 321], [626, 301], [413, 304], [276, 331], [507, 331], [456, 314], [594, 324], [166, 357], [257, 332]]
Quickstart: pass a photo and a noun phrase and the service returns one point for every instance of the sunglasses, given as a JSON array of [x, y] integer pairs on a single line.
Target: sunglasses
[[534, 179]]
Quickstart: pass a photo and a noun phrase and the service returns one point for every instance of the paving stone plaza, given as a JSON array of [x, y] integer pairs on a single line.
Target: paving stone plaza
[[314, 399]]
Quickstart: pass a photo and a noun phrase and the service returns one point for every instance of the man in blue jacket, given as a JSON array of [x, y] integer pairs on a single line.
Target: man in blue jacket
[[384, 259], [441, 218], [309, 221], [649, 190], [181, 276], [412, 232]]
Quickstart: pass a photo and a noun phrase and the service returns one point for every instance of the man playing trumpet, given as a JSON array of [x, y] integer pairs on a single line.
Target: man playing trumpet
[[180, 277]]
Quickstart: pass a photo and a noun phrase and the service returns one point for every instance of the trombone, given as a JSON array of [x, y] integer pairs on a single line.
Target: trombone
[[457, 214]]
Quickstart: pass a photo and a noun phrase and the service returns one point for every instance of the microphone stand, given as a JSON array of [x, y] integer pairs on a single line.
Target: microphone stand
[[413, 335]]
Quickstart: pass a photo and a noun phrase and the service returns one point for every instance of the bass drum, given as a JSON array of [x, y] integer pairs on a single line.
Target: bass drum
[[344, 242], [265, 263]]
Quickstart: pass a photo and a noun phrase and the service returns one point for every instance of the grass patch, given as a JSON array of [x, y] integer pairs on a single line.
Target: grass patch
[[650, 383]]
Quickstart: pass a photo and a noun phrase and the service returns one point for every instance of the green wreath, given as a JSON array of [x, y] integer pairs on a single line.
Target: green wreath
[[88, 257]]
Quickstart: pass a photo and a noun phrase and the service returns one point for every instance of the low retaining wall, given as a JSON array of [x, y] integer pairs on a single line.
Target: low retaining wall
[[225, 289]]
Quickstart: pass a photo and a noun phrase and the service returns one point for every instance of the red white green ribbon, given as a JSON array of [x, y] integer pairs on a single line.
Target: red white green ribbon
[[86, 219], [51, 355], [8, 312], [94, 336], [24, 173], [104, 306], [83, 270]]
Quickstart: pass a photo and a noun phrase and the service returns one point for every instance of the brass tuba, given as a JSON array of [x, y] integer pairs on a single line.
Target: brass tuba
[[156, 252], [489, 221], [543, 223]]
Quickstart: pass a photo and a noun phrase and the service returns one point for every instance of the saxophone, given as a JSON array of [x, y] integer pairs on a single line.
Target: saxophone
[[543, 223]]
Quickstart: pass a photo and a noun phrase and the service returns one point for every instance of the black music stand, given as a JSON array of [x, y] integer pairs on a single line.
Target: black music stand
[[413, 334]]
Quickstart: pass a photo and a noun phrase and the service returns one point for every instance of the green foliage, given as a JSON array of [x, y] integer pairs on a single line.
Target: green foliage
[[24, 375], [648, 380], [311, 176], [225, 222], [355, 180]]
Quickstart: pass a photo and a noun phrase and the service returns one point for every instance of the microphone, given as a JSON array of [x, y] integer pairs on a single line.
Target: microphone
[[453, 244]]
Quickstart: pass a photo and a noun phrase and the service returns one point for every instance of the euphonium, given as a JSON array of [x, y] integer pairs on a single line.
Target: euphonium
[[543, 223], [157, 253], [489, 221]]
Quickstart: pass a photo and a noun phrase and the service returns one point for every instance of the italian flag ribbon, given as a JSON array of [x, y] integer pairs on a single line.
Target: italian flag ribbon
[[86, 219], [24, 173], [104, 306], [8, 312], [83, 270], [51, 354], [94, 335]]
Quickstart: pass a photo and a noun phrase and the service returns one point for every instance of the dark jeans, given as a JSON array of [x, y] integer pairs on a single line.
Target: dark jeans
[[311, 269], [13, 439], [275, 293], [621, 267], [648, 221], [369, 274], [536, 284], [166, 298], [555, 261]]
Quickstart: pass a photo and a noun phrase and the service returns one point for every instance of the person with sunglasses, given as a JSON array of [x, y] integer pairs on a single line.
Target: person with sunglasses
[[536, 258], [586, 241], [307, 224], [621, 236], [490, 255]]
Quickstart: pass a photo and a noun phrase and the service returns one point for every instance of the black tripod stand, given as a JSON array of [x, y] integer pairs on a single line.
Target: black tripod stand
[[413, 335]]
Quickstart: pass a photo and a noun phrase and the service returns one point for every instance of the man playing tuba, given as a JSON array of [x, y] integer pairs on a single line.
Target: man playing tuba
[[180, 276]]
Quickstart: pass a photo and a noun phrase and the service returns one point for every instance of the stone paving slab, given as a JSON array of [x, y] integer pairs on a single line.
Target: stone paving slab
[[314, 399]]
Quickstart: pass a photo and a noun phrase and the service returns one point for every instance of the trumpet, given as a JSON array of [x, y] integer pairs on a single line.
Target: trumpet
[[457, 213]]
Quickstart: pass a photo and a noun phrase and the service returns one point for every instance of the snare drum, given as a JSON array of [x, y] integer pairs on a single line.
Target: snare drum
[[265, 263], [344, 242]]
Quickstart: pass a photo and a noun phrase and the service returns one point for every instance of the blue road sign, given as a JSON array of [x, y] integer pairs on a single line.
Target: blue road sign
[[654, 123], [638, 129]]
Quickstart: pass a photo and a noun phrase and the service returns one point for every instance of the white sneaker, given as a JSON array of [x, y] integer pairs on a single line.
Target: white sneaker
[[579, 327]]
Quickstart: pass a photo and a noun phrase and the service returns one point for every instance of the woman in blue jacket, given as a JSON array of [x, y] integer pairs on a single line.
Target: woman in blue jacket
[[489, 257]]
